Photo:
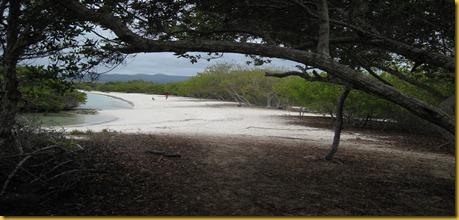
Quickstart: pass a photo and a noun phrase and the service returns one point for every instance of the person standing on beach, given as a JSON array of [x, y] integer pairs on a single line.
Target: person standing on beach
[[166, 94]]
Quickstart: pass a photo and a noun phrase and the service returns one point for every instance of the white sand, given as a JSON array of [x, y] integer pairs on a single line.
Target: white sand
[[190, 116]]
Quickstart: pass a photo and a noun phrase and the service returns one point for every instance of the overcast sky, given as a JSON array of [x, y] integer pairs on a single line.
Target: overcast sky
[[167, 63]]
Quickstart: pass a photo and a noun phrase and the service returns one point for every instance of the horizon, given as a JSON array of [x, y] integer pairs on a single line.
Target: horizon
[[168, 64], [136, 74]]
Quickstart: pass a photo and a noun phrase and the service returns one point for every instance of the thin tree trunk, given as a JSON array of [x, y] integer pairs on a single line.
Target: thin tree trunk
[[9, 88], [137, 44], [338, 123], [10, 97], [269, 98], [365, 122], [324, 29]]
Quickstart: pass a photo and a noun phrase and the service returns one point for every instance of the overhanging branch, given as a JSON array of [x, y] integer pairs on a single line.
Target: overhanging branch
[[412, 81], [315, 77], [139, 44]]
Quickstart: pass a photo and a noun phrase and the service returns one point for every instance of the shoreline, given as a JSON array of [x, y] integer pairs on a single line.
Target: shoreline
[[193, 116], [107, 94]]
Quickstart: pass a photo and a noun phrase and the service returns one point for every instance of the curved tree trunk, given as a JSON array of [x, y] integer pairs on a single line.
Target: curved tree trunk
[[338, 123], [138, 44]]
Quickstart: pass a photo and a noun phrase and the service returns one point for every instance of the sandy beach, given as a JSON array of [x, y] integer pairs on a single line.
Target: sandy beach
[[185, 156], [191, 116]]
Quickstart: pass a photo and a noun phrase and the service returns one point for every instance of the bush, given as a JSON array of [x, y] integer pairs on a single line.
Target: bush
[[39, 165], [251, 87], [43, 91]]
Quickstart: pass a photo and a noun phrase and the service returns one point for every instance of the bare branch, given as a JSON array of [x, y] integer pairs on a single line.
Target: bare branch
[[7, 181], [365, 64], [138, 44], [372, 73], [411, 52], [306, 8]]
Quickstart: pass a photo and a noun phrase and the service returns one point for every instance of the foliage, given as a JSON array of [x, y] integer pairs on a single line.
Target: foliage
[[42, 164], [43, 91], [251, 87]]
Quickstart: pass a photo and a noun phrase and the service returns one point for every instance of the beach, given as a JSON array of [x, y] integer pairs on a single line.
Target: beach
[[186, 156], [192, 116]]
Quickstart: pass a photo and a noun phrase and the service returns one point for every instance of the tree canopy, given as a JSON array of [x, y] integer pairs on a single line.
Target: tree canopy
[[345, 42], [363, 37]]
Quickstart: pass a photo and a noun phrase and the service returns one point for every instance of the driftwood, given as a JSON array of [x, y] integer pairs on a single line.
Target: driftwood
[[19, 165], [7, 181], [155, 152], [39, 151], [44, 173], [163, 153], [51, 170]]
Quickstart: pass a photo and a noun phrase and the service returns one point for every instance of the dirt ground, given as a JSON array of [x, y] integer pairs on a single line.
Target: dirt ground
[[245, 175]]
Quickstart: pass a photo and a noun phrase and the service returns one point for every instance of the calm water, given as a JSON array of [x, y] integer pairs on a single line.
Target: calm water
[[94, 101], [103, 102]]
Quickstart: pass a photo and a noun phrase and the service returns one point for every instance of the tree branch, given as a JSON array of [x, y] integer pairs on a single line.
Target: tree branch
[[138, 44], [412, 81], [314, 78], [362, 62], [411, 52]]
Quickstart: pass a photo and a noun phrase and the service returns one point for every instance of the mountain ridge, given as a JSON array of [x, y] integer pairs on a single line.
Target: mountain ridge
[[157, 77]]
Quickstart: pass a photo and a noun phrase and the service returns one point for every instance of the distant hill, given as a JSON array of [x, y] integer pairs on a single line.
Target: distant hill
[[157, 78]]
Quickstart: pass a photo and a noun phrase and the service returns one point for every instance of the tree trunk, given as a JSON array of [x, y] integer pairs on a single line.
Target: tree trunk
[[138, 44], [9, 100], [338, 123], [448, 105], [269, 98], [324, 29], [9, 88]]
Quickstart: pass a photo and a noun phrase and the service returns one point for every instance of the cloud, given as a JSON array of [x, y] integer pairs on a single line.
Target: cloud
[[168, 63]]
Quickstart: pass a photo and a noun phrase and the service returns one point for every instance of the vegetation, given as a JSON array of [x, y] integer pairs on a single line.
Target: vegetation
[[47, 163], [360, 37], [349, 41], [42, 91], [252, 87], [396, 57]]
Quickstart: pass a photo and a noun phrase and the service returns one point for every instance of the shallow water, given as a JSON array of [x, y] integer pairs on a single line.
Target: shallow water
[[94, 101], [103, 102]]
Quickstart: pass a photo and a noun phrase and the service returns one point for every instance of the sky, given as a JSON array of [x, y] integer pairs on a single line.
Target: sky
[[167, 63]]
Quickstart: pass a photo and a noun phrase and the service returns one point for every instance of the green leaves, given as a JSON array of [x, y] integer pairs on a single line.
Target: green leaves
[[45, 90]]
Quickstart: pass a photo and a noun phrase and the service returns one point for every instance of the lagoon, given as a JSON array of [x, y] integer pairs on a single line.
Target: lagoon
[[104, 102], [81, 115]]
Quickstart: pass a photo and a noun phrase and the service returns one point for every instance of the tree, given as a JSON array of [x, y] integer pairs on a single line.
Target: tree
[[32, 29], [339, 123], [421, 37]]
